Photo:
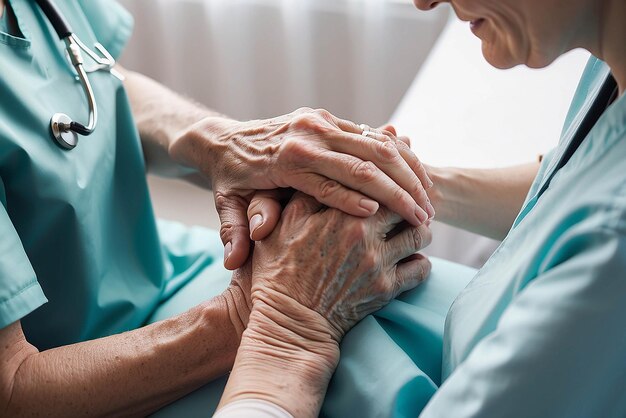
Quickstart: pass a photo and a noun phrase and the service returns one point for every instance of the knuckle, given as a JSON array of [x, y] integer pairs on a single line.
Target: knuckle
[[426, 236], [402, 146], [358, 230], [294, 151], [399, 194], [298, 205], [417, 238], [303, 109], [328, 188], [369, 261], [325, 114], [227, 230], [364, 171], [426, 267], [418, 190], [382, 287], [303, 122], [310, 122], [256, 205], [221, 201], [388, 151]]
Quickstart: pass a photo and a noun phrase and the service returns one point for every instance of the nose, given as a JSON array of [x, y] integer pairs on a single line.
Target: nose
[[426, 4]]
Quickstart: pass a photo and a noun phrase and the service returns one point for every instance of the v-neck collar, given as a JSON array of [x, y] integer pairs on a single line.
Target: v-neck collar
[[572, 127]]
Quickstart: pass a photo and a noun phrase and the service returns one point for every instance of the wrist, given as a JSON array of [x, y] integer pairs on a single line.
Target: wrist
[[300, 334], [286, 357], [237, 305], [196, 145]]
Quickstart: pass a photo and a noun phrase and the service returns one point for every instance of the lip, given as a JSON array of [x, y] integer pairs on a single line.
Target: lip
[[476, 24]]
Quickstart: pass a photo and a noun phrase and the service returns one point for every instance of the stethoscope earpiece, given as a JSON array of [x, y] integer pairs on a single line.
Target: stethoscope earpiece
[[63, 135]]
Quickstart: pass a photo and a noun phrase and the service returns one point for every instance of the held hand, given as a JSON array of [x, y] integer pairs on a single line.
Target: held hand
[[337, 266], [317, 274], [264, 209], [308, 150]]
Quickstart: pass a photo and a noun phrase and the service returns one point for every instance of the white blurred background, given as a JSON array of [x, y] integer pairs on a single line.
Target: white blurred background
[[370, 61]]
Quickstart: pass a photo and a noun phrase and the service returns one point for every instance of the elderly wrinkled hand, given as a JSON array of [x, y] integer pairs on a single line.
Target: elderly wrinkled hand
[[308, 150], [336, 265], [313, 278]]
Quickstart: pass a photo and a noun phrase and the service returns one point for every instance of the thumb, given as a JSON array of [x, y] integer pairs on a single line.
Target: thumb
[[264, 213], [234, 229]]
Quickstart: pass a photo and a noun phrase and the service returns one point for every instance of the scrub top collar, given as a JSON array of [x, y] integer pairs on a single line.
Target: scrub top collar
[[577, 127]]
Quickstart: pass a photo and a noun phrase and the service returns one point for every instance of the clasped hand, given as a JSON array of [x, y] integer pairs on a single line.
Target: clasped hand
[[249, 163]]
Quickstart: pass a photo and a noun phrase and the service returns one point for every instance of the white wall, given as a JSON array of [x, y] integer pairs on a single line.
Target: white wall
[[260, 58]]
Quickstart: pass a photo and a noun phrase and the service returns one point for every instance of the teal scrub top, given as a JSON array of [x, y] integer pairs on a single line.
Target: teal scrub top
[[539, 331], [80, 254]]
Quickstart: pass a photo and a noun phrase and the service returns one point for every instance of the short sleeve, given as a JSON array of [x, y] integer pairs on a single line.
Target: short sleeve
[[559, 350], [110, 22], [20, 293]]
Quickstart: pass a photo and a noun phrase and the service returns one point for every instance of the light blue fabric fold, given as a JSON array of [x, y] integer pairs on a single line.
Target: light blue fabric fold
[[390, 362]]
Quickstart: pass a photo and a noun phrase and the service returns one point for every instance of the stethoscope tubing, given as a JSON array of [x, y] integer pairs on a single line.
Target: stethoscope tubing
[[64, 129]]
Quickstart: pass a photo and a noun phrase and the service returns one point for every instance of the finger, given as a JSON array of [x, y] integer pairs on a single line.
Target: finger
[[359, 129], [395, 159], [405, 139], [403, 145], [364, 176], [415, 164], [300, 207], [234, 229], [389, 128], [388, 132], [411, 272], [331, 193], [407, 241], [264, 213]]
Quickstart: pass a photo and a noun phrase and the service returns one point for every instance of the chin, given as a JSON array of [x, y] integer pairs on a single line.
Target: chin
[[504, 59], [498, 59], [540, 61]]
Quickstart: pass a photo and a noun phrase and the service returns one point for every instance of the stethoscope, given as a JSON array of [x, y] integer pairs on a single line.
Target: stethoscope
[[65, 131]]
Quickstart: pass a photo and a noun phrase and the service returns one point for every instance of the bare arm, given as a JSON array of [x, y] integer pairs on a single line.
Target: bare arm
[[308, 150], [482, 201], [161, 115], [130, 374]]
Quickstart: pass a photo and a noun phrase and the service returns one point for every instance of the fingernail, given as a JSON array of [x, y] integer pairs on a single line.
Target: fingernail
[[422, 216], [255, 223], [430, 210], [228, 248], [369, 205], [430, 182]]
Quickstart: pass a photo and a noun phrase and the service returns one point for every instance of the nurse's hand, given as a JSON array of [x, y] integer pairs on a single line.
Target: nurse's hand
[[308, 150], [317, 274]]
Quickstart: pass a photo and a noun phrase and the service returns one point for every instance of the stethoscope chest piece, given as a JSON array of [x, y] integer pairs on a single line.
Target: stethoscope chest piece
[[64, 137], [64, 130]]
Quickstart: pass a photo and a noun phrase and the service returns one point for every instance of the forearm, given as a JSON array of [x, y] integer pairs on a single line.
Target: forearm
[[130, 374], [485, 201], [161, 116]]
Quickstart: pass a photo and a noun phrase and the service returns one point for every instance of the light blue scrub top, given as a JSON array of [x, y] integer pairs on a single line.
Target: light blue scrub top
[[539, 331], [80, 254]]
